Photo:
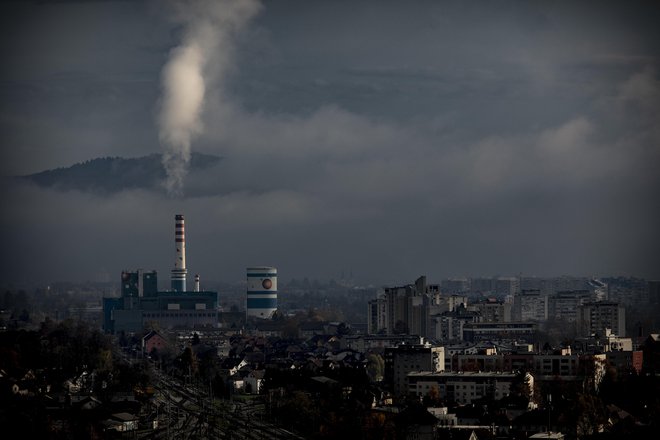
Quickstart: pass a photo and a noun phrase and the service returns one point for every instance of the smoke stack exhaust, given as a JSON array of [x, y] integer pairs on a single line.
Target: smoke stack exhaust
[[179, 272], [201, 61], [196, 288]]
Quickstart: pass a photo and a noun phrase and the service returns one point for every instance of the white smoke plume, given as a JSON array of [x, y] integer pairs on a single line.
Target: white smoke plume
[[199, 62]]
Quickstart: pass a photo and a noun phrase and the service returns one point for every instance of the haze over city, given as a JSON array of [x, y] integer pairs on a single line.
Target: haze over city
[[387, 139]]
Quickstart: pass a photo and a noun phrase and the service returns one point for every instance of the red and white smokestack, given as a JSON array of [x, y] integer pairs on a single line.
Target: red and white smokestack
[[179, 272], [196, 288]]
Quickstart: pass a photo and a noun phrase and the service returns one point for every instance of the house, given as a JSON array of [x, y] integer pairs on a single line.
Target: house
[[548, 435], [417, 424], [307, 330], [458, 434], [88, 403], [153, 341], [254, 381], [122, 422]]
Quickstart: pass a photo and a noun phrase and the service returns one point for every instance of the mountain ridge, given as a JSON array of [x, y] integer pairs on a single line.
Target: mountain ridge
[[108, 175]]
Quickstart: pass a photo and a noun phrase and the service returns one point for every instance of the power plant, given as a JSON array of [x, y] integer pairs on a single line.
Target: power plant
[[141, 303]]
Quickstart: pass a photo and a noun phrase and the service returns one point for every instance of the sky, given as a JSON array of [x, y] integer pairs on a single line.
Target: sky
[[385, 139]]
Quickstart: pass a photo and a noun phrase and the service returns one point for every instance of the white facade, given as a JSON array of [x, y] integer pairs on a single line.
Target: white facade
[[401, 360], [531, 305], [463, 387]]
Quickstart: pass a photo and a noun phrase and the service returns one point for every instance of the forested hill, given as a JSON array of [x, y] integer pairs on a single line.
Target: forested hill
[[110, 175]]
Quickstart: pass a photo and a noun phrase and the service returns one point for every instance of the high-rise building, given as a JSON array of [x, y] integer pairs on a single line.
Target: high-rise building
[[596, 317], [402, 309], [448, 326], [261, 292], [530, 305], [654, 291], [404, 359], [455, 286], [377, 316], [563, 305], [482, 286], [492, 310], [507, 286]]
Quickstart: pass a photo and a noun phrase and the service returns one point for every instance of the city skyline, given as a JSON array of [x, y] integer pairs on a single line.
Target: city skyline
[[384, 139]]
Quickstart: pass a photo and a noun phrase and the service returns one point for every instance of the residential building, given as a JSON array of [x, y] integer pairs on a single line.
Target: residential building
[[482, 285], [654, 292], [600, 318], [455, 286], [507, 286], [462, 387], [564, 304], [153, 341], [488, 331], [486, 360], [401, 360], [448, 326], [626, 361], [402, 309], [561, 363], [492, 310], [377, 315], [530, 305]]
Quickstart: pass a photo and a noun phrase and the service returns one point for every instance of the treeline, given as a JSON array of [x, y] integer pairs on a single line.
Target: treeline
[[21, 309], [63, 351]]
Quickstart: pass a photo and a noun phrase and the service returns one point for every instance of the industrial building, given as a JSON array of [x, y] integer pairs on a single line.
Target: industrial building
[[261, 301], [141, 304]]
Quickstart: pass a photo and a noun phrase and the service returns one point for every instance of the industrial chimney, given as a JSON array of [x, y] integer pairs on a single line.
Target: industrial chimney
[[179, 272], [196, 288]]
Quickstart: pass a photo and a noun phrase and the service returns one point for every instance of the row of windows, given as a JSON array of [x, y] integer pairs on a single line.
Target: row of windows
[[179, 315]]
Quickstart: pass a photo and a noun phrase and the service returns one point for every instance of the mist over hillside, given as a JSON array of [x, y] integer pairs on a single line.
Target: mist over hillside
[[110, 175]]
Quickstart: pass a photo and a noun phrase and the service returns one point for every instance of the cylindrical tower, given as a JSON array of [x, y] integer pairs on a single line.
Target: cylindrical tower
[[179, 272], [196, 287], [261, 292]]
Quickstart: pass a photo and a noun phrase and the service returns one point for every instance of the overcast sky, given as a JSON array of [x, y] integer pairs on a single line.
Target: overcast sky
[[387, 138]]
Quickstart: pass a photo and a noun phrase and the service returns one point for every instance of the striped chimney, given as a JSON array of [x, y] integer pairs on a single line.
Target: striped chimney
[[179, 272]]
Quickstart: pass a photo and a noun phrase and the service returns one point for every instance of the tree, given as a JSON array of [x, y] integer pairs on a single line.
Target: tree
[[188, 362], [432, 398], [375, 367], [299, 412], [24, 316]]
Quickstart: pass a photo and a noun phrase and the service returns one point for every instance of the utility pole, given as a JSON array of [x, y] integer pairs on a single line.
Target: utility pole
[[549, 407]]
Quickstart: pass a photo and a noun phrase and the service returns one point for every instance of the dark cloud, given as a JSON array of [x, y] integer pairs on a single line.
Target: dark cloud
[[443, 138]]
